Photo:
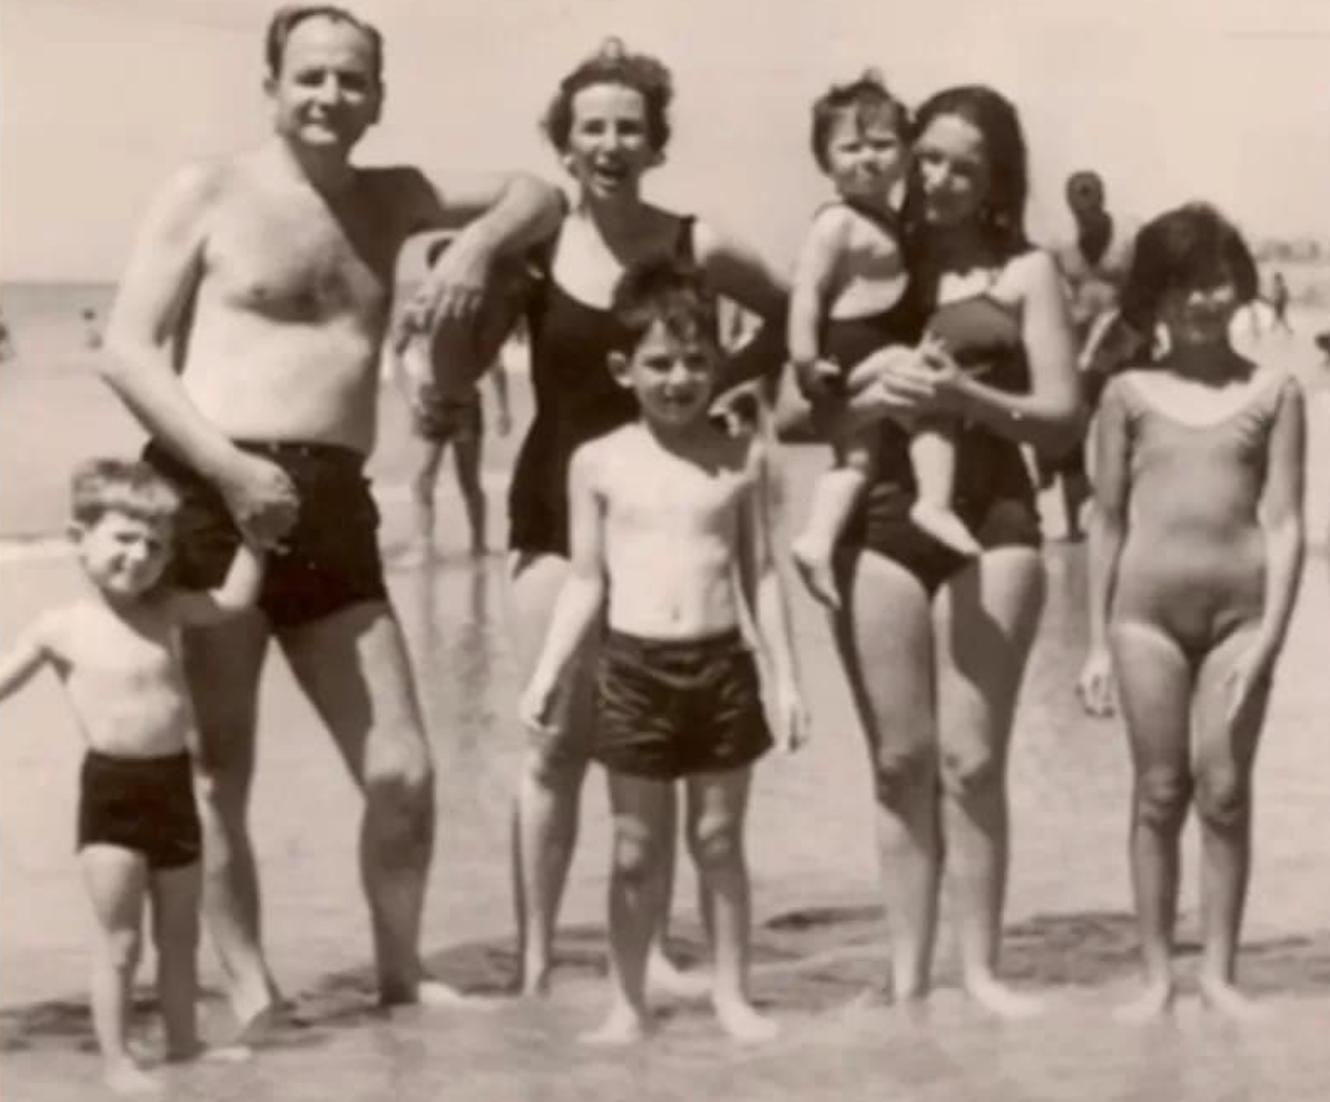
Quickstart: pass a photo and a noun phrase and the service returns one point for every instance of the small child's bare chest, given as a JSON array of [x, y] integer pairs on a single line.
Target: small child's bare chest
[[97, 648], [665, 493]]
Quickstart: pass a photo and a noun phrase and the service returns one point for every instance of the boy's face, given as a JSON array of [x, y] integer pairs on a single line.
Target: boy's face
[[673, 375], [123, 555], [866, 156]]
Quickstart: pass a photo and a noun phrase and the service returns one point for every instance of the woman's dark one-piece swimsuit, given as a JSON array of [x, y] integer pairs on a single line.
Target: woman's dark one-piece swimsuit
[[576, 400], [993, 493]]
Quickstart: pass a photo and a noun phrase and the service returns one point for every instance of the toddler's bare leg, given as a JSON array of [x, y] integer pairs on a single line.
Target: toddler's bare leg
[[429, 455], [933, 459]]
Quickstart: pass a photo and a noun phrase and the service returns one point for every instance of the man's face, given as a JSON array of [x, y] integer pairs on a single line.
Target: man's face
[[326, 93], [1085, 196]]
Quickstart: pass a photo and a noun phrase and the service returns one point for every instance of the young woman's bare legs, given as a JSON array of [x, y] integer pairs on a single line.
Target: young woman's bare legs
[[984, 621]]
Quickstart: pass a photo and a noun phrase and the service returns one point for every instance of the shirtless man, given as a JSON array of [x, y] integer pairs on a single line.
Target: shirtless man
[[266, 279]]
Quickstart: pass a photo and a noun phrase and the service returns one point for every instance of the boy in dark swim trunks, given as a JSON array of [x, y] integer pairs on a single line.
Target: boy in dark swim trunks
[[116, 650], [670, 535], [850, 299]]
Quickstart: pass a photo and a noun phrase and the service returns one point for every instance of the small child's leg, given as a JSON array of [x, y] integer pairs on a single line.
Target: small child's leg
[[1225, 752], [466, 456], [1155, 683], [933, 460], [717, 803], [116, 880], [833, 501], [430, 455], [641, 809]]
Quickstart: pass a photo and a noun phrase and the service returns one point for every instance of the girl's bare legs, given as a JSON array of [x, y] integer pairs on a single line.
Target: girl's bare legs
[[643, 821], [933, 460], [885, 639], [984, 623], [1155, 686], [117, 882], [717, 803], [1225, 754]]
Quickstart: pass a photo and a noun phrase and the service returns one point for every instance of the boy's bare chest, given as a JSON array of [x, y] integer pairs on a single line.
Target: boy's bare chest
[[679, 496], [98, 647]]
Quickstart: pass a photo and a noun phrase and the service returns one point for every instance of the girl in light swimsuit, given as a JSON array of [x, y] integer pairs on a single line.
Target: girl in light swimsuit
[[609, 123], [1196, 552]]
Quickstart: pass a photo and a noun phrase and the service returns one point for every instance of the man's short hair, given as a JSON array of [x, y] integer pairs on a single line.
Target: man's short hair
[[286, 19]]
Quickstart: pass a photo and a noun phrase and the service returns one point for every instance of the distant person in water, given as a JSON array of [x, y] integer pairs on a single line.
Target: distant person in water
[[252, 358], [1279, 303], [92, 332], [6, 341]]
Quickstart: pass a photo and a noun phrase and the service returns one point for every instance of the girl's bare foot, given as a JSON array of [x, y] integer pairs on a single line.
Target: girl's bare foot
[[1003, 1001], [742, 1021], [945, 526], [624, 1026], [814, 566], [1224, 998], [1149, 1006]]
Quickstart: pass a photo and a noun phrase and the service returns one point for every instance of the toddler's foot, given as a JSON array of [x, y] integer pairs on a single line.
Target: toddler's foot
[[1224, 998], [415, 555], [1149, 1006], [1000, 1000], [813, 563], [742, 1021], [624, 1026], [126, 1078], [668, 978], [945, 527]]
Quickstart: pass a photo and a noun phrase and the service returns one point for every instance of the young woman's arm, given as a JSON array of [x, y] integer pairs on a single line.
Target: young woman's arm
[[1108, 531], [1282, 519]]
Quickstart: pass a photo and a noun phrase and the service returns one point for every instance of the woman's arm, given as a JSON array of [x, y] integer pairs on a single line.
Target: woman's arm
[[1282, 519]]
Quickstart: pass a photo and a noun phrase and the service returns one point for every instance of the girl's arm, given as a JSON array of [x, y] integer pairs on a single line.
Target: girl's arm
[[25, 656], [582, 597], [239, 591], [1282, 519], [1049, 416]]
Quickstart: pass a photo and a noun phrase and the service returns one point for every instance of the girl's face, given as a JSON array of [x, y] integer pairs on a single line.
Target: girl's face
[[609, 146], [1199, 316], [866, 157], [952, 171]]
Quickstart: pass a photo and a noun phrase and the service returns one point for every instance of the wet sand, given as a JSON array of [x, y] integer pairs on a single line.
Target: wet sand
[[819, 930]]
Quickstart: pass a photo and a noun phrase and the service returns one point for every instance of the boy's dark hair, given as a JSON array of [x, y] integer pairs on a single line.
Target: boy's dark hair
[[868, 98], [613, 64], [131, 487], [286, 19], [1191, 246], [670, 292]]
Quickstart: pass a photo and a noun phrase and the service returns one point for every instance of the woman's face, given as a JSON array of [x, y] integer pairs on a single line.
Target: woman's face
[[952, 171], [609, 146], [1199, 316]]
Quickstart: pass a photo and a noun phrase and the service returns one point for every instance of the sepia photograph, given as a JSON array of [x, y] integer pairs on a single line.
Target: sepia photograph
[[642, 550]]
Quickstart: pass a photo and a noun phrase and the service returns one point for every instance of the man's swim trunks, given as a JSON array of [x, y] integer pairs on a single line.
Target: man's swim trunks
[[446, 420], [141, 804], [330, 559], [673, 708]]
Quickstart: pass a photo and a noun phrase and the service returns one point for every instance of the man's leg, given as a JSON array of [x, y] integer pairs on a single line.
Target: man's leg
[[353, 666], [222, 666]]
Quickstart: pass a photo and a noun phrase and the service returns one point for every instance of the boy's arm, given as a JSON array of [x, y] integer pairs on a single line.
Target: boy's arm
[[814, 275], [583, 594], [765, 590], [239, 591], [1282, 521], [24, 657]]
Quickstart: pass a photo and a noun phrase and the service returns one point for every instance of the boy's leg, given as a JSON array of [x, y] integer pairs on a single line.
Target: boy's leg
[[642, 820], [663, 974], [1155, 686], [1225, 754], [175, 930], [933, 459], [116, 880], [466, 455], [427, 456], [717, 803]]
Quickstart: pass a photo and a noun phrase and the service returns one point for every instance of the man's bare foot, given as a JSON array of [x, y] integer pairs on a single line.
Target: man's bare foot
[[124, 1077], [435, 994], [742, 1022], [666, 977], [534, 982], [1149, 1006], [624, 1026], [1224, 998], [814, 566], [1000, 1000], [945, 526]]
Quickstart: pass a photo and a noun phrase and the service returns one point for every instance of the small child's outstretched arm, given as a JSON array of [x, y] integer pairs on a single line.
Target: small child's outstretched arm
[[24, 657], [583, 594], [1108, 531], [764, 590], [1282, 524], [239, 591], [814, 279]]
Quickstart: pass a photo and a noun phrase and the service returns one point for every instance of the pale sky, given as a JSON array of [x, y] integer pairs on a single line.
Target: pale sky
[[1226, 100]]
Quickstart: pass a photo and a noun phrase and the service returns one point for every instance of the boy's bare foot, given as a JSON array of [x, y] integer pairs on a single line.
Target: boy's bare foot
[[624, 1026], [124, 1077], [814, 566], [1149, 1006], [946, 527], [668, 978], [435, 993], [1224, 998], [1003, 1001], [742, 1021]]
